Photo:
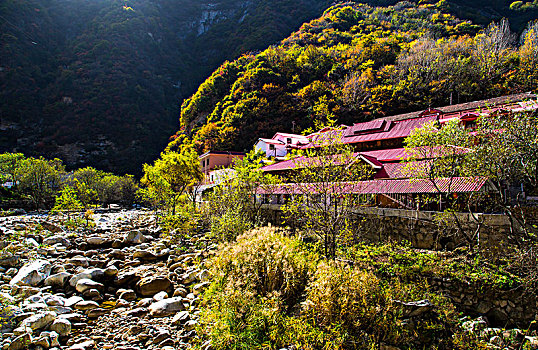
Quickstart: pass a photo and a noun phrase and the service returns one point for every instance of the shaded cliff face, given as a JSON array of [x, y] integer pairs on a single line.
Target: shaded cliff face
[[99, 82]]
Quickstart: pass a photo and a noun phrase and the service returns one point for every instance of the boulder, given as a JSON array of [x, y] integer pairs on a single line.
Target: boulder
[[32, 273], [86, 305], [127, 294], [75, 299], [42, 341], [134, 237], [61, 326], [39, 321], [150, 286], [144, 255], [79, 261], [180, 318], [97, 312], [52, 227], [92, 274], [21, 342], [86, 284], [86, 345], [200, 287], [97, 241], [111, 271], [10, 261], [160, 296], [56, 239], [58, 280], [189, 277], [166, 307], [126, 278]]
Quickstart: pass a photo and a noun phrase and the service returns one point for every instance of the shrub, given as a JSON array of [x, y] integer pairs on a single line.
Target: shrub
[[257, 282], [269, 291], [6, 311], [225, 228], [349, 308]]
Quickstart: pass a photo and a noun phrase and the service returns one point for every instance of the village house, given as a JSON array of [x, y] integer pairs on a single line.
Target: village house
[[280, 143], [213, 160], [379, 143]]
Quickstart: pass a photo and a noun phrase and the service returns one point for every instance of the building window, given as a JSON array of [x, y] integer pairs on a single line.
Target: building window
[[288, 140], [271, 147]]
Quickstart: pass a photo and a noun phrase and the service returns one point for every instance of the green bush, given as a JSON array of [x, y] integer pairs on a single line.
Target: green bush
[[349, 308], [227, 227]]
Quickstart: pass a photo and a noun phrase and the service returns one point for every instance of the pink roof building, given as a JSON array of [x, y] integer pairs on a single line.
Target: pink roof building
[[380, 142]]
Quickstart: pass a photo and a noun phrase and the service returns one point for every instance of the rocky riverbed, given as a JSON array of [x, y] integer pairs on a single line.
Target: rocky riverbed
[[122, 284]]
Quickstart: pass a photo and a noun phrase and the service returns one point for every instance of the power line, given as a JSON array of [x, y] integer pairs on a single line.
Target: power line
[[20, 30]]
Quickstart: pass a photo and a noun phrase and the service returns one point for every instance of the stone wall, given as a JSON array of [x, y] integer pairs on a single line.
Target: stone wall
[[426, 230], [502, 308], [423, 229]]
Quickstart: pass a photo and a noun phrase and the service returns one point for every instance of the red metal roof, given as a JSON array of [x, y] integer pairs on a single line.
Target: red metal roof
[[402, 170], [375, 158], [388, 155], [385, 186], [285, 165], [377, 125], [395, 130]]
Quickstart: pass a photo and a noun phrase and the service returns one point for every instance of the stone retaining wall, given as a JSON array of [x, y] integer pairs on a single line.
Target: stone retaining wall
[[502, 308], [423, 229]]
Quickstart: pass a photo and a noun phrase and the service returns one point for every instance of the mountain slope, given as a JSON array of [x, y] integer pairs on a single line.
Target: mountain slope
[[97, 82], [356, 63]]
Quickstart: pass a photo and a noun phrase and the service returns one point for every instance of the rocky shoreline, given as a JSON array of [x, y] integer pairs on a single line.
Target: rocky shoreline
[[122, 284]]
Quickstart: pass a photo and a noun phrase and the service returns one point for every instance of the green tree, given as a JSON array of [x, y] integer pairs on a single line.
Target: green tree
[[504, 150], [116, 189], [40, 179], [85, 193], [170, 176], [442, 152], [9, 164], [507, 154], [233, 205], [67, 201]]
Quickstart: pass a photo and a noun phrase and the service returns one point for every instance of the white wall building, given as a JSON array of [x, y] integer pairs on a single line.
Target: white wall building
[[278, 145]]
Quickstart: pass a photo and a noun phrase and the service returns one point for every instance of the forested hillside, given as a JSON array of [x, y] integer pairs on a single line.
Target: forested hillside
[[356, 63], [100, 82]]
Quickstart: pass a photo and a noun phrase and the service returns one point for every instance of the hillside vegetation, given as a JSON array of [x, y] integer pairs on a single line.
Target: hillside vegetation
[[356, 63], [98, 82]]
